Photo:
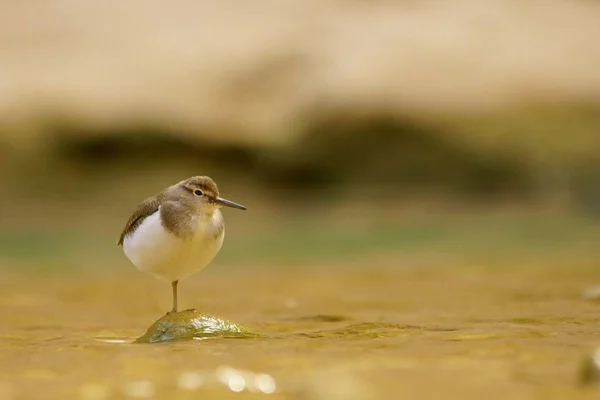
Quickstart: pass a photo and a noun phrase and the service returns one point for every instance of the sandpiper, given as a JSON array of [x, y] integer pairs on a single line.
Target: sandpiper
[[178, 231]]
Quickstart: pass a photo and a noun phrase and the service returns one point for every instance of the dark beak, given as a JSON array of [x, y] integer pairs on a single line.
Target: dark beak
[[227, 203]]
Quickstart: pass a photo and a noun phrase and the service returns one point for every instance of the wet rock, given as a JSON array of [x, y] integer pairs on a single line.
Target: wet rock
[[189, 325]]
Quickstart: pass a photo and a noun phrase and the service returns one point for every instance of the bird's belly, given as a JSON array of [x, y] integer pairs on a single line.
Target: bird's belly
[[154, 250]]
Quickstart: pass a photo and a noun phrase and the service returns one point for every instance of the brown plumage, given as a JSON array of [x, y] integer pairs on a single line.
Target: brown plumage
[[173, 216], [147, 208]]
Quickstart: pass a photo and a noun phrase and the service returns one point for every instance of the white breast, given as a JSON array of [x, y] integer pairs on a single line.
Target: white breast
[[154, 250]]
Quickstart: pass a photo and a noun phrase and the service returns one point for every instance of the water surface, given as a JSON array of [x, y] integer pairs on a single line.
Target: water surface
[[364, 332]]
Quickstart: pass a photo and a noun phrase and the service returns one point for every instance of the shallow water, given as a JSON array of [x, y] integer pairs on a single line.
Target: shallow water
[[516, 332]]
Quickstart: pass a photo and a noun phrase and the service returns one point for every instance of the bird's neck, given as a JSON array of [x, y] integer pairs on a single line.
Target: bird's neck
[[188, 222]]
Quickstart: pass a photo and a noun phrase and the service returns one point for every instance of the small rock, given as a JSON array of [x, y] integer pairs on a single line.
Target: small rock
[[188, 325]]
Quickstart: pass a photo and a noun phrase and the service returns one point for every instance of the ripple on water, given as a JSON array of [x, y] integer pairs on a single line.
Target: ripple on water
[[366, 330], [323, 318], [113, 340]]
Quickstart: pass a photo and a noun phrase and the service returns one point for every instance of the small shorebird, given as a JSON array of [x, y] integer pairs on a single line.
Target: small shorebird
[[178, 231]]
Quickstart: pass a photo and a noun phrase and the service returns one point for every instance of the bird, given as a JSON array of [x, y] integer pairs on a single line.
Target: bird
[[177, 232]]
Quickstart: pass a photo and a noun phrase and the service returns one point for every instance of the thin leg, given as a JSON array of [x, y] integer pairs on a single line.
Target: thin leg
[[174, 284]]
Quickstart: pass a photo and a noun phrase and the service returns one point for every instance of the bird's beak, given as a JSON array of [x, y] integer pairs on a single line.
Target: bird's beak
[[227, 203]]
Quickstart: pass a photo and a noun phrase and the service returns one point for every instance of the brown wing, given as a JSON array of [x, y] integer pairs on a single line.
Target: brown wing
[[147, 208]]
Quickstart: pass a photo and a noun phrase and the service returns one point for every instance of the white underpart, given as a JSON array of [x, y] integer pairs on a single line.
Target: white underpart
[[154, 250]]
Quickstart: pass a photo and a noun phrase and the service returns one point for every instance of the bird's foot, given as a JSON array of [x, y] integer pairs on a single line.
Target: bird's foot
[[175, 311]]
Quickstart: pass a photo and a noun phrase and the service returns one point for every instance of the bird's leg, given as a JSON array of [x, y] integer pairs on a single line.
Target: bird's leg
[[174, 284], [174, 310]]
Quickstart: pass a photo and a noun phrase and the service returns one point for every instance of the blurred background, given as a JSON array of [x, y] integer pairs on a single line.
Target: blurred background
[[357, 133], [367, 114]]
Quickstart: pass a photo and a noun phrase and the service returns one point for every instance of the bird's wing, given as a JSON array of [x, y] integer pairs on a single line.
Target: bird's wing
[[144, 210]]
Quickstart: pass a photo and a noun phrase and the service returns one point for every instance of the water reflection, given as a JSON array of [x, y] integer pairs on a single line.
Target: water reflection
[[6, 391], [116, 341], [94, 391], [264, 383], [236, 380], [190, 381], [139, 389]]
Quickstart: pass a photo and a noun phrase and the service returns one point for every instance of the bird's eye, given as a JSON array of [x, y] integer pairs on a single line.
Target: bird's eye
[[198, 192]]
